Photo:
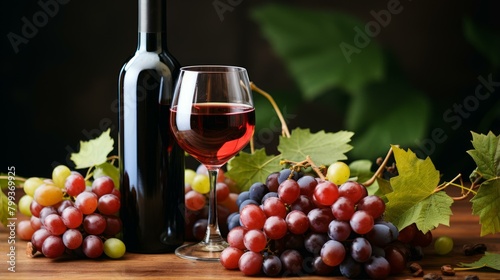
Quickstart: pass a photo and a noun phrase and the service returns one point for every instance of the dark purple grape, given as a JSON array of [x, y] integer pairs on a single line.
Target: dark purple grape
[[271, 266]]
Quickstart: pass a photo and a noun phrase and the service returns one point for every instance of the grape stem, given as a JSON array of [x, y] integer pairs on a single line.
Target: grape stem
[[308, 162], [380, 169], [284, 128]]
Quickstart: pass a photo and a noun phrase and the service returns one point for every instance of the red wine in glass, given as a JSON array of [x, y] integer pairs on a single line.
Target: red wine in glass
[[214, 132]]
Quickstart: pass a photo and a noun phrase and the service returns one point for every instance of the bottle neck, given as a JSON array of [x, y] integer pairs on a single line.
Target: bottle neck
[[152, 25]]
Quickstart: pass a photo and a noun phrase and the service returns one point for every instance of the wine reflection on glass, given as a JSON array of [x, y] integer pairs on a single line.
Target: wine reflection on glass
[[212, 118]]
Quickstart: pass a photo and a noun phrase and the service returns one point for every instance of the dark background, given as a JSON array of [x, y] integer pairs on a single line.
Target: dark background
[[60, 87]]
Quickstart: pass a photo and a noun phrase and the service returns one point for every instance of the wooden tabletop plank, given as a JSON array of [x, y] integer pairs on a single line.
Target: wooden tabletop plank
[[464, 228]]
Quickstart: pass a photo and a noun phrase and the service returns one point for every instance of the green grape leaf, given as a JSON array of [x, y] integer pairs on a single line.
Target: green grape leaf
[[93, 152], [486, 154], [246, 169], [322, 49], [384, 187], [486, 204], [414, 199], [323, 148], [108, 169], [491, 260]]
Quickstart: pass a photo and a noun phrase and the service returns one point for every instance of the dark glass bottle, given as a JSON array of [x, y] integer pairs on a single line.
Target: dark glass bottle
[[151, 162]]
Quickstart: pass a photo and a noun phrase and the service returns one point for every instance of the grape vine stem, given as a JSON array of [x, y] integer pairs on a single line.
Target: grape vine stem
[[284, 128], [380, 169]]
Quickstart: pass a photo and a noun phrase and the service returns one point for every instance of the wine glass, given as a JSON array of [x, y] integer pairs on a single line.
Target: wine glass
[[212, 118]]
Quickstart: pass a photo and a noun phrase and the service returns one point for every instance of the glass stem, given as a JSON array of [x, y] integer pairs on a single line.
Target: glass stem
[[213, 233]]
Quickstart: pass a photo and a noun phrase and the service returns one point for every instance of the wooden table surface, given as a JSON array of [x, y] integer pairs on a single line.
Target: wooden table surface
[[464, 229]]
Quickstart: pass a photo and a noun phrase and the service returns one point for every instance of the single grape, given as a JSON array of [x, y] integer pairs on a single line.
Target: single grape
[[201, 183], [114, 248], [275, 227], [35, 208], [189, 175], [343, 209], [291, 261], [297, 222], [24, 205], [339, 230], [289, 191], [443, 245], [92, 246], [361, 249], [338, 172], [59, 175], [235, 237], [229, 257], [200, 229], [396, 259], [252, 217], [233, 221], [361, 222], [273, 206], [352, 190], [250, 263], [113, 226], [53, 247], [377, 267], [72, 238], [86, 202], [94, 224], [272, 181], [303, 204], [108, 204], [332, 253], [25, 230], [326, 193], [103, 185], [407, 234], [195, 201], [307, 185], [35, 222], [54, 224], [319, 219], [222, 190], [380, 235], [74, 184], [255, 240], [372, 204], [242, 196], [72, 217], [48, 195], [271, 265], [257, 191], [31, 184], [350, 268]]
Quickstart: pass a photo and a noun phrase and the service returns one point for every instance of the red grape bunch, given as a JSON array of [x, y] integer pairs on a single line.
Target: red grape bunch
[[69, 217], [296, 224]]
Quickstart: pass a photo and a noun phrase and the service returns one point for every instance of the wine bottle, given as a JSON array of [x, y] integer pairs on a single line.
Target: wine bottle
[[151, 162]]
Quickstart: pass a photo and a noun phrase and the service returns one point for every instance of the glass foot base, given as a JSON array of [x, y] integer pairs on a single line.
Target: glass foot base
[[201, 251]]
